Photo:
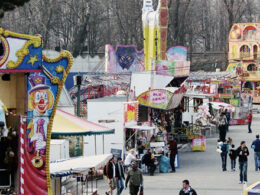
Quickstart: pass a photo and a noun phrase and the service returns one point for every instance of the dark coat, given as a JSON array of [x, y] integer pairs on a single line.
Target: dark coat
[[109, 170], [245, 152], [147, 159], [173, 147], [122, 171], [191, 192]]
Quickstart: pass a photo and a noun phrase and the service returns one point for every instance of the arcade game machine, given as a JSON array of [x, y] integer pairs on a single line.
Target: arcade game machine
[[30, 86]]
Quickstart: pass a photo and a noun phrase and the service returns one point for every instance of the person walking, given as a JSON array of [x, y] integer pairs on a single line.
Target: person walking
[[135, 178], [222, 126], [243, 152], [173, 152], [187, 189], [233, 157], [131, 156], [148, 160], [250, 117], [224, 151], [256, 146], [227, 114], [120, 175], [111, 176]]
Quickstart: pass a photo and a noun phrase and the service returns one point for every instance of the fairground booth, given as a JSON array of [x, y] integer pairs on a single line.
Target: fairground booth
[[30, 86]]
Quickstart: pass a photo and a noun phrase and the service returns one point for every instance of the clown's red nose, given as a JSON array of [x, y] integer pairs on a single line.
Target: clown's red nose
[[41, 101]]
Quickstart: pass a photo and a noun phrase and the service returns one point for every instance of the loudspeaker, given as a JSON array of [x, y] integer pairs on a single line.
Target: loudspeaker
[[79, 79], [6, 77]]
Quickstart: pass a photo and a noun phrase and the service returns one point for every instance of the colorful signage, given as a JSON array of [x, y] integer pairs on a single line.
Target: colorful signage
[[173, 68], [131, 112], [158, 97], [161, 98], [235, 102], [226, 96], [126, 58]]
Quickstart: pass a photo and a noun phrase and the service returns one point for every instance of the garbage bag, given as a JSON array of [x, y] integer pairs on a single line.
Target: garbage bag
[[164, 164]]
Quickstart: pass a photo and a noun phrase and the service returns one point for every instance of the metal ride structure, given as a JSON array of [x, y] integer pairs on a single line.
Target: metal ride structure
[[244, 57]]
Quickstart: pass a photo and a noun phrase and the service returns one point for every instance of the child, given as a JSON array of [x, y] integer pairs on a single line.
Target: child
[[233, 156]]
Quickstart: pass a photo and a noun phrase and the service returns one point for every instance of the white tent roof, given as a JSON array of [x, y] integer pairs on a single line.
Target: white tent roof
[[142, 81], [78, 164], [140, 127]]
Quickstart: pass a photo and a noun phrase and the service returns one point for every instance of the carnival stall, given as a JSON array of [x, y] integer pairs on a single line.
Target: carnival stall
[[225, 87], [30, 86], [77, 175], [74, 128]]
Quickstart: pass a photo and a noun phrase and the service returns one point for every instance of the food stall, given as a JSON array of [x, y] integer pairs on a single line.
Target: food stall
[[225, 87], [30, 86]]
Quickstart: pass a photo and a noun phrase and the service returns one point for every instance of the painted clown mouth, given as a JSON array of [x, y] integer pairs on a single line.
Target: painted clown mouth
[[42, 107]]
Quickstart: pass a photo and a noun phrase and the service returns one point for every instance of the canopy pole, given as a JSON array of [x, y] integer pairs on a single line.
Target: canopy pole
[[95, 137], [82, 145], [103, 137]]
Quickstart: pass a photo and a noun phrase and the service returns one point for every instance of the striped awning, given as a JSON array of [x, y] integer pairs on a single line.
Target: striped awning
[[66, 124]]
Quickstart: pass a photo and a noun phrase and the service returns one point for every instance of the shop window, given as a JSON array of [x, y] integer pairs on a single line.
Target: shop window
[[244, 51], [255, 52], [251, 67]]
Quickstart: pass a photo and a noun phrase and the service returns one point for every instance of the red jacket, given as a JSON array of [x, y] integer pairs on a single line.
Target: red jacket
[[249, 117], [173, 147]]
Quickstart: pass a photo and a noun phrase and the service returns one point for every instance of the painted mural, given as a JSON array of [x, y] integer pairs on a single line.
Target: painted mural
[[45, 78], [126, 58], [176, 64]]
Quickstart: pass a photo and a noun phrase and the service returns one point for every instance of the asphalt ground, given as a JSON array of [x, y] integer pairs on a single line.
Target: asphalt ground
[[203, 169]]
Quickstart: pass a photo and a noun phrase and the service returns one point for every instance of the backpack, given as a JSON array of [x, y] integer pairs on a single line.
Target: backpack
[[224, 148]]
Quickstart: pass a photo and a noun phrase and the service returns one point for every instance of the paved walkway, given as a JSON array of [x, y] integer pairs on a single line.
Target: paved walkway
[[203, 169]]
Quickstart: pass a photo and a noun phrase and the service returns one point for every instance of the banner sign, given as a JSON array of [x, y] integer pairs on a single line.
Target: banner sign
[[162, 98], [131, 112]]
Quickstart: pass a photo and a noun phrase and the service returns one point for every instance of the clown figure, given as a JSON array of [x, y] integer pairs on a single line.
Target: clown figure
[[40, 101]]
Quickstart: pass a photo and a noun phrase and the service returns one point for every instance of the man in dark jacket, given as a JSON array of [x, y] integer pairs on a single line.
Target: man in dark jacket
[[174, 150], [256, 146], [120, 175], [187, 190], [227, 113], [111, 175], [135, 177], [149, 161], [243, 153]]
